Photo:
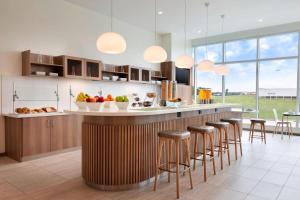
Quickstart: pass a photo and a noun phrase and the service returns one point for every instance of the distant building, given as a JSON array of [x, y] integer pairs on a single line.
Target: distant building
[[278, 92]]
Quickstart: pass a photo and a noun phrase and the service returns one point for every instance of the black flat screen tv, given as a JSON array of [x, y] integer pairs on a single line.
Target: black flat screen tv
[[183, 76]]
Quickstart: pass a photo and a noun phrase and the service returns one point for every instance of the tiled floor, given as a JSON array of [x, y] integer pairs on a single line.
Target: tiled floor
[[269, 171]]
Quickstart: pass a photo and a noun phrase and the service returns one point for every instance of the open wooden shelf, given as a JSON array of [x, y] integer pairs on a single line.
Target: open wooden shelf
[[93, 69]]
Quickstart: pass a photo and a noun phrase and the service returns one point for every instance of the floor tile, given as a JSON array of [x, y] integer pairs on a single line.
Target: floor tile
[[266, 190], [293, 182], [254, 173], [289, 194], [275, 178]]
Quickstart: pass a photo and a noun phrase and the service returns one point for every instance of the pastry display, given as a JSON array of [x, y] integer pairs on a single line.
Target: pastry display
[[26, 110]]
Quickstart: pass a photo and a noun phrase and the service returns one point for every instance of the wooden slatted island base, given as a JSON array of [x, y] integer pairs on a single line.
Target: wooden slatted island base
[[119, 148]]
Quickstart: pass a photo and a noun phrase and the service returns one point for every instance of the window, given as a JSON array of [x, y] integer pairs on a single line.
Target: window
[[240, 50], [214, 53], [240, 87], [277, 87], [279, 46]]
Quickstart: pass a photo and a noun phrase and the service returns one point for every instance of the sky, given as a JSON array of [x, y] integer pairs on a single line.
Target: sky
[[242, 76]]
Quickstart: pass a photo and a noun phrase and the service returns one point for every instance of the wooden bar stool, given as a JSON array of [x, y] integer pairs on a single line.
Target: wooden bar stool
[[236, 134], [262, 129], [177, 137], [207, 132], [223, 144]]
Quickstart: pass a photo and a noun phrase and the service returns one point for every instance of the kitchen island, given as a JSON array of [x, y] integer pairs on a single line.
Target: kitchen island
[[119, 148]]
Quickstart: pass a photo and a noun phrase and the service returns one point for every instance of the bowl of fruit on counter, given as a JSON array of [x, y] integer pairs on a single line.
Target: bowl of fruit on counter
[[122, 102], [109, 101], [84, 101]]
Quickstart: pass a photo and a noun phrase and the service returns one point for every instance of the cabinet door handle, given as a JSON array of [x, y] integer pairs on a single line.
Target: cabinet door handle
[[48, 123], [52, 123]]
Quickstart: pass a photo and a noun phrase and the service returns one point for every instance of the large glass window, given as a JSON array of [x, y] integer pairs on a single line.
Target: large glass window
[[241, 86], [278, 66], [214, 53], [279, 46], [277, 87], [240, 50]]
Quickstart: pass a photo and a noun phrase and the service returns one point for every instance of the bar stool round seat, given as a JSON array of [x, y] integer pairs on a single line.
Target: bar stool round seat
[[235, 123], [232, 120], [202, 129], [166, 139], [258, 120], [223, 146], [218, 124], [262, 135], [174, 134]]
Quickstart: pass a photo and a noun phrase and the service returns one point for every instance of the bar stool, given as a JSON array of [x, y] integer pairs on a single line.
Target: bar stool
[[207, 132], [177, 137], [236, 133], [223, 145], [262, 129]]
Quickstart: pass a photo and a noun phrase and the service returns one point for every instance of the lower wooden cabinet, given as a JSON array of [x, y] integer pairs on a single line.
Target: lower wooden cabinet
[[38, 135]]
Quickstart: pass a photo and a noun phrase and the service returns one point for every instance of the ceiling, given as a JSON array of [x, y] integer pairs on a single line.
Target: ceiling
[[240, 15]]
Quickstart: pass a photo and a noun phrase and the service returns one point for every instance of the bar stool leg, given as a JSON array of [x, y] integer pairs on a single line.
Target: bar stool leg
[[235, 140], [221, 147], [204, 156], [261, 132], [195, 151], [264, 129], [251, 131], [227, 143], [239, 135], [253, 126], [187, 144], [177, 168], [160, 147], [169, 160], [212, 149]]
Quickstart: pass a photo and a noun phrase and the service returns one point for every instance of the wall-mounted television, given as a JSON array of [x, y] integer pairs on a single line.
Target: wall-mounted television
[[183, 76]]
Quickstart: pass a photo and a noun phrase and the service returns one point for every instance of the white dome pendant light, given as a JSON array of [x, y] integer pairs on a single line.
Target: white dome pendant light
[[184, 61], [222, 69], [206, 65], [155, 53], [111, 42]]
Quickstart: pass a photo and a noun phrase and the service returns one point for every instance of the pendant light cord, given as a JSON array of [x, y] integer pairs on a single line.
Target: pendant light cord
[[155, 21], [111, 15], [185, 9], [206, 32]]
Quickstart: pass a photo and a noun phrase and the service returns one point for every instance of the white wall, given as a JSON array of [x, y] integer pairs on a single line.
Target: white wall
[[57, 27]]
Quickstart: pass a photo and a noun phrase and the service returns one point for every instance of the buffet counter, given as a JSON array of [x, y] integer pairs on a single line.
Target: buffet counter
[[119, 148]]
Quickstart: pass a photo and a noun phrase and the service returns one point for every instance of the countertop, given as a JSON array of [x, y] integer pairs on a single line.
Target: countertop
[[13, 115], [152, 110]]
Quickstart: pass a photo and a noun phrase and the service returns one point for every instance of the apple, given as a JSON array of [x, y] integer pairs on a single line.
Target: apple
[[100, 99], [91, 99]]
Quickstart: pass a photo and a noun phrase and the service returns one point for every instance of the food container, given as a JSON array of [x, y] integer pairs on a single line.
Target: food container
[[114, 78], [122, 106], [94, 106], [81, 105], [147, 103], [106, 78], [123, 79]]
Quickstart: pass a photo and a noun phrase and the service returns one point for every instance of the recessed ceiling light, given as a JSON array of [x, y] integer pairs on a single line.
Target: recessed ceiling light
[[260, 20], [160, 12], [199, 31]]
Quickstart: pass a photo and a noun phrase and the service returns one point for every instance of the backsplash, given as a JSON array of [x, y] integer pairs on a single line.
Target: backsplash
[[35, 92]]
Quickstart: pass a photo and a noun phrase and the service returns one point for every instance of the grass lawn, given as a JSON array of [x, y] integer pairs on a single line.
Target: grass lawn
[[266, 105]]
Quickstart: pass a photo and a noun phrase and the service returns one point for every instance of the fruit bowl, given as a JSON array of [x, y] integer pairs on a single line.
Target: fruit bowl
[[94, 106], [109, 104], [122, 105], [81, 105]]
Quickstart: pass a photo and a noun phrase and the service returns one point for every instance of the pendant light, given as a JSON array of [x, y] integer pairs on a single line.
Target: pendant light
[[184, 61], [206, 65], [111, 42], [222, 69], [155, 53]]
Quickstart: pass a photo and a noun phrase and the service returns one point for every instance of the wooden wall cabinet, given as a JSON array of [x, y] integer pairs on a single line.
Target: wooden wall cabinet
[[93, 69], [35, 64], [73, 67], [38, 135], [134, 74]]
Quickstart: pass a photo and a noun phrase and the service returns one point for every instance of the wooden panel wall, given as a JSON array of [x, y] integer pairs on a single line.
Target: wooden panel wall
[[118, 155]]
